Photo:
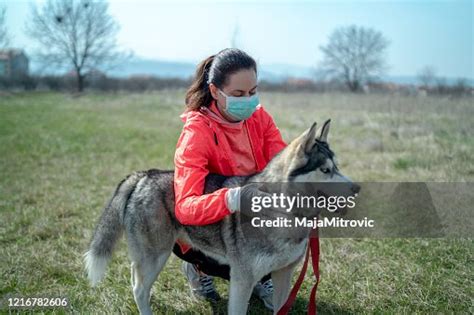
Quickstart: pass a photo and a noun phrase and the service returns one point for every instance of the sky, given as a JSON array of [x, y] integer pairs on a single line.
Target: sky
[[421, 33]]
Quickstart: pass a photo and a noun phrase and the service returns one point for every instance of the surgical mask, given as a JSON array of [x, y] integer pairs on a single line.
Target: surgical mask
[[241, 107]]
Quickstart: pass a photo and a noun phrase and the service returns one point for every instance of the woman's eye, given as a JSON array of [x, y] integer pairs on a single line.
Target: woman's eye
[[325, 170]]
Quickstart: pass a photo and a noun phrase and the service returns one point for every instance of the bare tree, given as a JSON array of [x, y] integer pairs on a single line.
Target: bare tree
[[427, 76], [79, 34], [440, 85], [4, 39], [354, 54]]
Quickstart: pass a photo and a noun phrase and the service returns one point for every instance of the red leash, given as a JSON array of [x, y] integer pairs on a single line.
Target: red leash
[[314, 248]]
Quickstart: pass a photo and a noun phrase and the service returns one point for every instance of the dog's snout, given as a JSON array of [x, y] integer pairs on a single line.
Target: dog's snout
[[355, 188]]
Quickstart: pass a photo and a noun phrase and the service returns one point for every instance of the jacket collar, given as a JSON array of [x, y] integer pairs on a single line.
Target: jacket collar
[[211, 114]]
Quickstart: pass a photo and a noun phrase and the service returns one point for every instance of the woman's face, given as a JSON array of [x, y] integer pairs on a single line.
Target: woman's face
[[241, 83]]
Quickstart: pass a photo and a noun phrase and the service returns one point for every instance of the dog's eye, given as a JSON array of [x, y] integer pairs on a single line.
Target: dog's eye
[[325, 170]]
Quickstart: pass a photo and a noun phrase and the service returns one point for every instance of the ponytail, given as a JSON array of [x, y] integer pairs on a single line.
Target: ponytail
[[216, 69], [198, 93]]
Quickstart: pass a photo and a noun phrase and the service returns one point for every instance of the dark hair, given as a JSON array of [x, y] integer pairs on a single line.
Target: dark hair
[[216, 69]]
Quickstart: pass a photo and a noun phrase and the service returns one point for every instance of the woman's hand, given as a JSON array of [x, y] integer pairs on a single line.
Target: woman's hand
[[243, 198]]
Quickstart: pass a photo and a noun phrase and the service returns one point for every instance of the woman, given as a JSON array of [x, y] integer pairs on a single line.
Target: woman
[[226, 132]]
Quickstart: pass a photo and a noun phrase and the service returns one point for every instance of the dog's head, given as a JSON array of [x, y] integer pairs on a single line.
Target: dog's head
[[310, 159]]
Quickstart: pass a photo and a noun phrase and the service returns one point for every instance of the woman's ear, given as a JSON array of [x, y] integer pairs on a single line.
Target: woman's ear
[[213, 90]]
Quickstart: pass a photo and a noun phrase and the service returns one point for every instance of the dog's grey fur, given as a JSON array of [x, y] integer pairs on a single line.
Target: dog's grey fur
[[143, 206]]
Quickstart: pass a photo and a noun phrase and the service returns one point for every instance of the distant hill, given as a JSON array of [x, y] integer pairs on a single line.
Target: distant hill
[[269, 72], [161, 68]]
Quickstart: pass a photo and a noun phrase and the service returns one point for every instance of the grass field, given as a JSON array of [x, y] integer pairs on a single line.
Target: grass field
[[61, 158]]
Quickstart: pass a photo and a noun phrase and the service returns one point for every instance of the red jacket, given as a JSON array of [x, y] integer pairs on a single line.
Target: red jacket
[[203, 148]]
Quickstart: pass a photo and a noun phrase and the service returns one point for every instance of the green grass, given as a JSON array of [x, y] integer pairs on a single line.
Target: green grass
[[61, 158]]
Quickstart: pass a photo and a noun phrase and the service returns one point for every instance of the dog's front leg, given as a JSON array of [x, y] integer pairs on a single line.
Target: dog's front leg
[[281, 283], [241, 285]]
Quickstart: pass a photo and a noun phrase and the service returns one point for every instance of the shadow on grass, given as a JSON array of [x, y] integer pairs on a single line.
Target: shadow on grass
[[330, 308], [300, 306], [256, 307]]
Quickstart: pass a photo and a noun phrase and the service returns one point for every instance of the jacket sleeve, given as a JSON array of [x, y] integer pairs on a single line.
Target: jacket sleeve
[[273, 141], [192, 207]]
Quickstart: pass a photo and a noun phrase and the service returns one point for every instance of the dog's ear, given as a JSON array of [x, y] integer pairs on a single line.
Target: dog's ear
[[309, 137], [323, 132]]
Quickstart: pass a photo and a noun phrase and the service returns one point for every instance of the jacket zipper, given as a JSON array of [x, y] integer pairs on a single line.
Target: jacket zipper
[[251, 146]]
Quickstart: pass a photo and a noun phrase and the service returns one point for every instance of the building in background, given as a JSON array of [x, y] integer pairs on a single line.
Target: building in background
[[13, 63]]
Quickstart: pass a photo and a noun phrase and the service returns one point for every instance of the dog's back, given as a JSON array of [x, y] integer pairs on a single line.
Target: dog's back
[[143, 206]]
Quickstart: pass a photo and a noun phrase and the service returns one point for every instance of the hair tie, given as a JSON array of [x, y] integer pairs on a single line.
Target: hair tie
[[206, 73], [207, 68]]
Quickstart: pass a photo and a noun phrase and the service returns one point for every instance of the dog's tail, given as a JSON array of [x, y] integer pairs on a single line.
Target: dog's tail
[[109, 229]]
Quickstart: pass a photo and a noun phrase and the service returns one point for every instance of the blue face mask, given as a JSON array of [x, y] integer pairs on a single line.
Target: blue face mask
[[241, 107]]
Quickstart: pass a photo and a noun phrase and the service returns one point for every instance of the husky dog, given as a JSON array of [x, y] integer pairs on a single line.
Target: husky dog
[[143, 206]]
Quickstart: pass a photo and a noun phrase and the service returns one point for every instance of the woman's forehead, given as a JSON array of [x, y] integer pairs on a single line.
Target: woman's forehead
[[244, 80]]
